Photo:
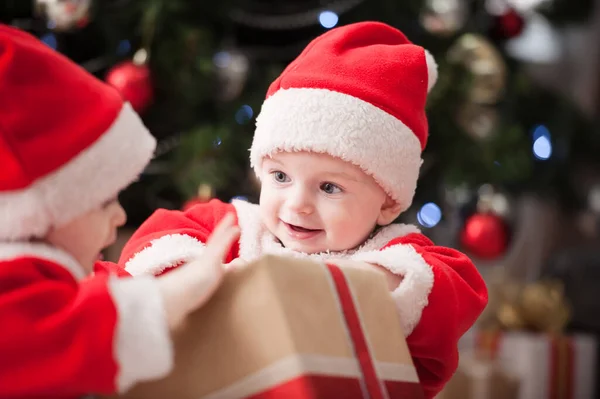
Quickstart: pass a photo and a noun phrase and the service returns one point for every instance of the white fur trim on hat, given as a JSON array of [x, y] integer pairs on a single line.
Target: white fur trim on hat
[[96, 175], [343, 126], [432, 70]]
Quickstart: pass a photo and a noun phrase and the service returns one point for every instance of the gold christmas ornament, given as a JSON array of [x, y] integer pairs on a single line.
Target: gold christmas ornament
[[510, 317], [501, 311], [205, 192], [478, 121], [492, 200], [544, 307], [485, 65], [540, 306], [232, 68]]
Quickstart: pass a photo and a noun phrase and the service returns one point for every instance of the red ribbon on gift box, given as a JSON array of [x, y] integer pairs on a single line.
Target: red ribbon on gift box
[[361, 349], [373, 388], [561, 369], [487, 343]]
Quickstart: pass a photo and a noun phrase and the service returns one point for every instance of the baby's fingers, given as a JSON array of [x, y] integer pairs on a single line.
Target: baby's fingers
[[221, 240], [225, 223]]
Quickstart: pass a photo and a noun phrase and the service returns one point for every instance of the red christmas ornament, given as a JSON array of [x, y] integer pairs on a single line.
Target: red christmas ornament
[[485, 235], [132, 79], [508, 25]]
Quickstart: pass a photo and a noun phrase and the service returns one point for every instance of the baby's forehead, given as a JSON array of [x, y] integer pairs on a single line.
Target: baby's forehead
[[316, 163], [308, 157]]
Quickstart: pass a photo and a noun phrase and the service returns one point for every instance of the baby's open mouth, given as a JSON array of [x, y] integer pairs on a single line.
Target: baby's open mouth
[[301, 229], [301, 233]]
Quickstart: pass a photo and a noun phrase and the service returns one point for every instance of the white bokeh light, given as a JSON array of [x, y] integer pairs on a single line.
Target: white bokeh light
[[542, 148], [429, 215], [328, 19]]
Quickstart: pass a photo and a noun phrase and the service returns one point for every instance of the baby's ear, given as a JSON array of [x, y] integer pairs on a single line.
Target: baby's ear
[[390, 210]]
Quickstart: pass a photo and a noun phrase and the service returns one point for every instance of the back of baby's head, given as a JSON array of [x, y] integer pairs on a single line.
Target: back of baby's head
[[357, 92], [68, 142]]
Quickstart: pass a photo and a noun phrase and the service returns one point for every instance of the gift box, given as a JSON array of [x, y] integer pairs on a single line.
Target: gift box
[[556, 366], [292, 328], [479, 377]]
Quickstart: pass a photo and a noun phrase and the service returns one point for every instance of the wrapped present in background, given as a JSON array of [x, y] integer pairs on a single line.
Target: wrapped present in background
[[479, 377], [549, 365], [523, 329], [292, 328]]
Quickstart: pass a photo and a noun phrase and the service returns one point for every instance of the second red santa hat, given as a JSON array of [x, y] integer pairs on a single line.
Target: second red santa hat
[[68, 141], [357, 92]]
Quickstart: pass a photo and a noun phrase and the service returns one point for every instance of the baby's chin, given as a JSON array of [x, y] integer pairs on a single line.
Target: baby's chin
[[316, 245], [309, 249]]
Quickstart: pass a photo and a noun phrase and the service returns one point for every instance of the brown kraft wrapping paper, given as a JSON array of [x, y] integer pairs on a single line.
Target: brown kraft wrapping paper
[[283, 327]]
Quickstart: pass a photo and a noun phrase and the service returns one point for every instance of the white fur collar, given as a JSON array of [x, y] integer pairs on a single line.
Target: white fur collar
[[22, 249], [256, 240]]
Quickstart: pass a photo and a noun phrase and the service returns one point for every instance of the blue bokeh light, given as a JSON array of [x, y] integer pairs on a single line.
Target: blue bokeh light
[[328, 19], [124, 47], [244, 114], [240, 198], [50, 40], [429, 215], [222, 59], [542, 142], [217, 142], [540, 131]]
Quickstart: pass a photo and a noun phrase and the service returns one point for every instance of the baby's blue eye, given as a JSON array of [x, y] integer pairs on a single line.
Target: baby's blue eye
[[330, 188], [280, 177]]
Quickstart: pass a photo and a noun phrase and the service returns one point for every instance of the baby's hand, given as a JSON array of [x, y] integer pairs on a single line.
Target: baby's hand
[[191, 285], [235, 264]]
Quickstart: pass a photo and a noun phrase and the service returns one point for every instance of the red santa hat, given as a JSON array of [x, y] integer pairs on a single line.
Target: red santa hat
[[68, 142], [358, 93]]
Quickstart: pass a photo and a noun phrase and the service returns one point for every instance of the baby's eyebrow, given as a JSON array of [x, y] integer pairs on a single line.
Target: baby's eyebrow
[[273, 160], [344, 175]]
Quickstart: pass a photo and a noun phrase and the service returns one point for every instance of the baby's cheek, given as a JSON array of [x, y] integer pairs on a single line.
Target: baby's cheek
[[338, 219], [268, 207], [348, 228]]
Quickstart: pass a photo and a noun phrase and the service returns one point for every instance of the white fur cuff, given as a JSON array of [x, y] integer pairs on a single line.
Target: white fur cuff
[[15, 250], [143, 347], [163, 253], [413, 292]]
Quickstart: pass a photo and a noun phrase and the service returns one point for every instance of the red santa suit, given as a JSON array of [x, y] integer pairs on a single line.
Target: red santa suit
[[68, 144], [439, 298], [64, 334]]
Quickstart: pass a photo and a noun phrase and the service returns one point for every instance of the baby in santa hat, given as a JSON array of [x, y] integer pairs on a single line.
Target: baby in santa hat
[[338, 147], [68, 145]]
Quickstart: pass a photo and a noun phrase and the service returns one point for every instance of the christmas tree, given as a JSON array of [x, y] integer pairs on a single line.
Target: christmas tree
[[198, 73], [510, 173]]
